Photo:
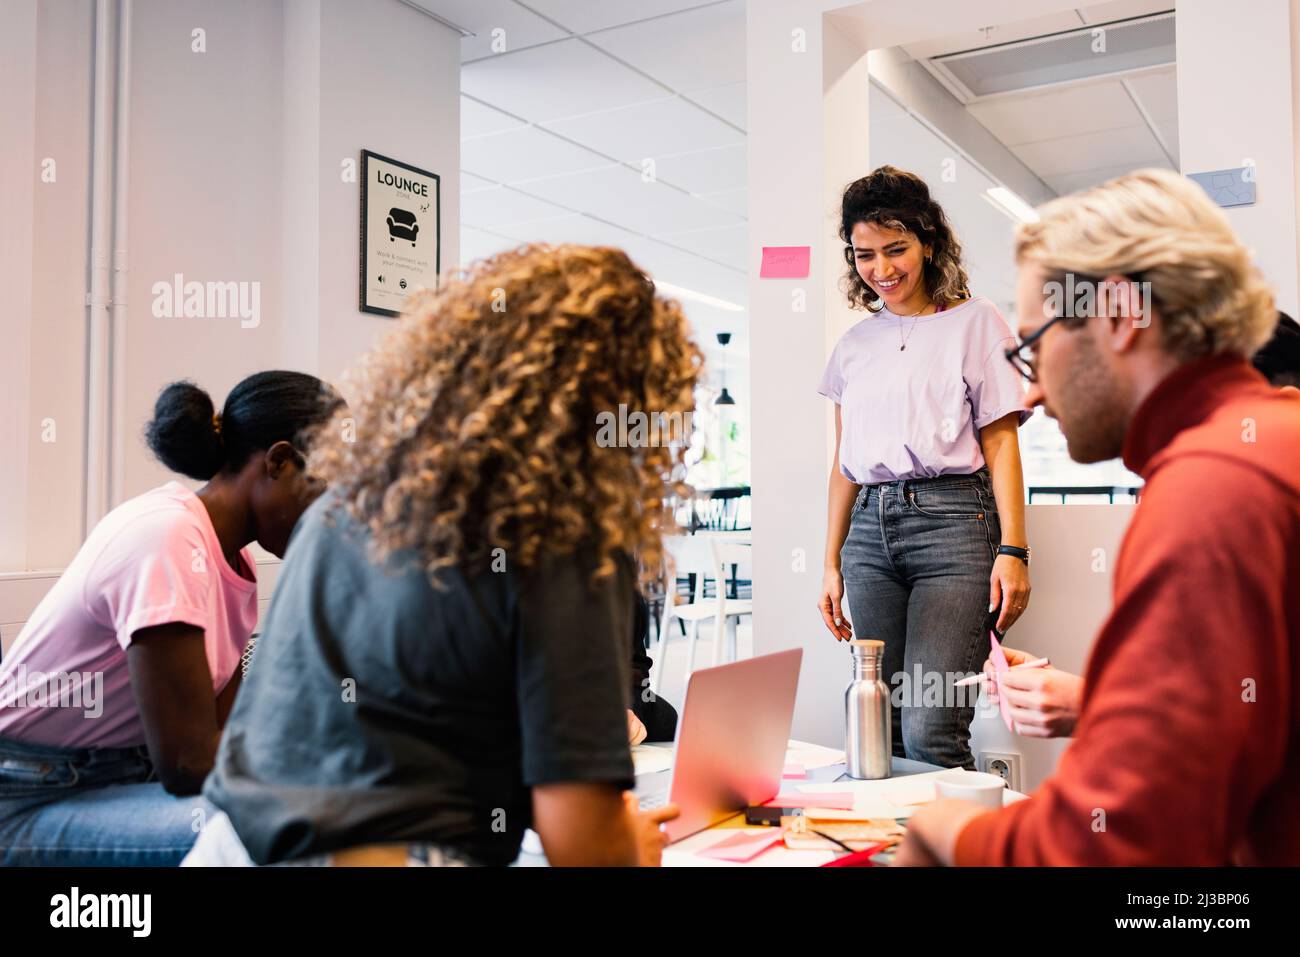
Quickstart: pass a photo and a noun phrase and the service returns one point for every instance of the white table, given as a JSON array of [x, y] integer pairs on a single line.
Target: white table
[[872, 797]]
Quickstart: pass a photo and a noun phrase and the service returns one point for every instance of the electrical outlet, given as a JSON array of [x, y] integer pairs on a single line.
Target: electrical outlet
[[1005, 766]]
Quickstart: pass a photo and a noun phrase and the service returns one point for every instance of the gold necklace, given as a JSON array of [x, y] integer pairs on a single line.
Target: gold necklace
[[902, 343]]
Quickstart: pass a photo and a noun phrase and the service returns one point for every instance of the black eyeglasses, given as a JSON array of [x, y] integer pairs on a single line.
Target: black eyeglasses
[[1022, 357]]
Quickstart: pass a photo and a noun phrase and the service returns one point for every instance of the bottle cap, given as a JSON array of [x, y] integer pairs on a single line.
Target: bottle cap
[[867, 643]]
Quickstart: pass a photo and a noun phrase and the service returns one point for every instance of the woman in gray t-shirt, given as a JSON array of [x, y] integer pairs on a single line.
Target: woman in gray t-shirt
[[445, 660]]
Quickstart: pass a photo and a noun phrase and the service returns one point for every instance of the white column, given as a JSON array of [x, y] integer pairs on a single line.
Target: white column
[[807, 123]]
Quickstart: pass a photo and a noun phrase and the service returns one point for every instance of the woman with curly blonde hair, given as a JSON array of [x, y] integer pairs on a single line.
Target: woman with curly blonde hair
[[445, 660], [925, 523]]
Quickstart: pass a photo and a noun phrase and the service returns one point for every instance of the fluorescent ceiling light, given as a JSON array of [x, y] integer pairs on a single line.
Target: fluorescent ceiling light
[[1011, 204], [683, 293]]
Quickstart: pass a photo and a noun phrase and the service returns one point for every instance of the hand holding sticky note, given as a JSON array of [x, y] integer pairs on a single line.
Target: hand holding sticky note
[[1000, 667]]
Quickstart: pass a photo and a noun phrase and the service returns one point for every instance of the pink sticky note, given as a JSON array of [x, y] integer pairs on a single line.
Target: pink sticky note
[[744, 845], [835, 800], [794, 771], [785, 262], [1000, 666]]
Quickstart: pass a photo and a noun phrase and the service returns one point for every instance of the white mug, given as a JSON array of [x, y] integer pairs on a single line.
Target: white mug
[[976, 787]]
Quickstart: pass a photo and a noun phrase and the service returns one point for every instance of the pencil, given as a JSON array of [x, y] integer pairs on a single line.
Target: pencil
[[972, 679]]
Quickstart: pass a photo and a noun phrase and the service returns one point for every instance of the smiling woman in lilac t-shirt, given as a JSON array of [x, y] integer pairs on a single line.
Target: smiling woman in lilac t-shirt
[[925, 523]]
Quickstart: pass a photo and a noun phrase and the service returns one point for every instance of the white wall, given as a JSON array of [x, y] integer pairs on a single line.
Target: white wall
[[235, 175], [43, 268], [204, 200], [1075, 549], [265, 120]]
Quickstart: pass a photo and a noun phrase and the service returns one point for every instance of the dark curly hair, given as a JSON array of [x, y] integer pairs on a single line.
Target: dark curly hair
[[892, 198]]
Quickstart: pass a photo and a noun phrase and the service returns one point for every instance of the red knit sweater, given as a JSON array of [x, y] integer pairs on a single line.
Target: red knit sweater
[[1187, 749]]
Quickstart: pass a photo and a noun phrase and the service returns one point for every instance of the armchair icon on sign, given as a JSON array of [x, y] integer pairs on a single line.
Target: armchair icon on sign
[[402, 225]]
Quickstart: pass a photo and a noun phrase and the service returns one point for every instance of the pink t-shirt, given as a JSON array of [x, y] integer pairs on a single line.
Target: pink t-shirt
[[916, 412], [152, 560]]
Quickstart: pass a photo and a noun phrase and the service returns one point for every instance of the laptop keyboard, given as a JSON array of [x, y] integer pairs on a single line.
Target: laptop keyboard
[[651, 801]]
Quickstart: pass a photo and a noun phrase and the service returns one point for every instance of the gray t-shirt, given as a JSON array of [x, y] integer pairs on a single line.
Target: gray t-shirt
[[379, 708]]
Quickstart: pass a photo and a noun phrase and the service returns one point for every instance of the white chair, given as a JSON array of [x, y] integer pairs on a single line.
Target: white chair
[[684, 555], [728, 553], [692, 555]]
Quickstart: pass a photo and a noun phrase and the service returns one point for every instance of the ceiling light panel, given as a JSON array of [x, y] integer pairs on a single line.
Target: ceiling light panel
[[1102, 50]]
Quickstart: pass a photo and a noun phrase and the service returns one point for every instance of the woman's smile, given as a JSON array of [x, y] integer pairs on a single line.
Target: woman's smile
[[890, 285]]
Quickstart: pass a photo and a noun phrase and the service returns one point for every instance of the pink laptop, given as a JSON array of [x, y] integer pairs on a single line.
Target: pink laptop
[[731, 741]]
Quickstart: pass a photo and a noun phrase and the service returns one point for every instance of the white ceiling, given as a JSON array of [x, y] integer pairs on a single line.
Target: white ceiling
[[619, 123], [1078, 134], [622, 123]]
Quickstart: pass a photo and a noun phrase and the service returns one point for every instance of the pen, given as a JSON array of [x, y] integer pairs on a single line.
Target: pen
[[972, 679]]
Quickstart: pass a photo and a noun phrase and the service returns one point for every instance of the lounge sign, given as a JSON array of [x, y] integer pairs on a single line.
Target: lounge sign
[[400, 232]]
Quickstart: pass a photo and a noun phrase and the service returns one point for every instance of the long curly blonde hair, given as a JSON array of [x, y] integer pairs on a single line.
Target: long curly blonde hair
[[474, 424]]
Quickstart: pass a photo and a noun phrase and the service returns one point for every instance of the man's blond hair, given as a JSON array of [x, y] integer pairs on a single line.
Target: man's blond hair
[[1155, 226]]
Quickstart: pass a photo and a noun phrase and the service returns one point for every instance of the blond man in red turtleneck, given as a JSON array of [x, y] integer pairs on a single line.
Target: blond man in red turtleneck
[[1187, 745]]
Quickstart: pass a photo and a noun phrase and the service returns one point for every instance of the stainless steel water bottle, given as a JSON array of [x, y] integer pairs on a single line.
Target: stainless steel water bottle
[[868, 744]]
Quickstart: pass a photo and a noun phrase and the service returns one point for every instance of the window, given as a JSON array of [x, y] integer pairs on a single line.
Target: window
[[1047, 464]]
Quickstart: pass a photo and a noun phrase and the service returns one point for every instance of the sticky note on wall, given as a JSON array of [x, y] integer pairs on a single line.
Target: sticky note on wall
[[785, 262]]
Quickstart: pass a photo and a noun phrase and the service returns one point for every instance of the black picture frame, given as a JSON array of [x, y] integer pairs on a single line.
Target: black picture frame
[[364, 260]]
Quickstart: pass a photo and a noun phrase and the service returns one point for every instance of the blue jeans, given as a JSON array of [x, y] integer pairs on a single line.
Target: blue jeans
[[89, 807], [916, 566]]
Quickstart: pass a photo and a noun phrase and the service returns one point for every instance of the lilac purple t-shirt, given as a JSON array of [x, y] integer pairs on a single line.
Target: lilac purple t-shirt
[[154, 559], [917, 412]]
